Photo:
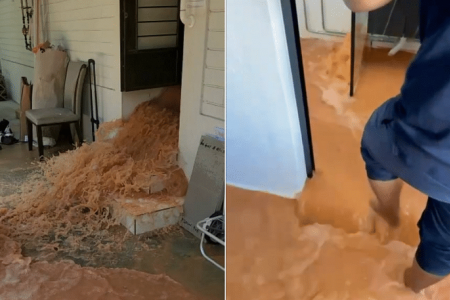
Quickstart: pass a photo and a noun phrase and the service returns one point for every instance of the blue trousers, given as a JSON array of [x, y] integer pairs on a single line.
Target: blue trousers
[[433, 253]]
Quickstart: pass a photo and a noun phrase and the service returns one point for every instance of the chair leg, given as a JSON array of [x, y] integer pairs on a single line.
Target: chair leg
[[78, 129], [40, 143], [30, 135], [72, 140]]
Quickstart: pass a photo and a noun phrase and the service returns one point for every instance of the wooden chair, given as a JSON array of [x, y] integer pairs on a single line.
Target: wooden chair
[[70, 113]]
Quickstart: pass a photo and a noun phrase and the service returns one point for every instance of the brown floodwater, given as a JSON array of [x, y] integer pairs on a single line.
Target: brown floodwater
[[339, 193], [22, 279], [142, 151], [322, 245]]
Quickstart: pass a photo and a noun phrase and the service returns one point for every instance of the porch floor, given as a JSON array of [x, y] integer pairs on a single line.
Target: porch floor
[[175, 253]]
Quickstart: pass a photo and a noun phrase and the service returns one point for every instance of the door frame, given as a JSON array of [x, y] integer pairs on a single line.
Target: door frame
[[352, 55], [290, 17]]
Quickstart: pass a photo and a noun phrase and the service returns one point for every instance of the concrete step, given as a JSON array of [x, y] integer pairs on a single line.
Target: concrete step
[[141, 215]]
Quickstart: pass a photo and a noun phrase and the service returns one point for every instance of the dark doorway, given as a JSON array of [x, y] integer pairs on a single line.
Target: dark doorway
[[151, 44]]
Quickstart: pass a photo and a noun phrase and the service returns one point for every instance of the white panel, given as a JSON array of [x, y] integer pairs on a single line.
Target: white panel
[[197, 117], [85, 28], [214, 95], [214, 111], [215, 59], [71, 5], [259, 39], [70, 15], [214, 74], [108, 11], [314, 14], [217, 21], [337, 16], [15, 60], [157, 14], [142, 3], [157, 28], [217, 5], [216, 40], [214, 77], [155, 42], [106, 36], [327, 24], [79, 25]]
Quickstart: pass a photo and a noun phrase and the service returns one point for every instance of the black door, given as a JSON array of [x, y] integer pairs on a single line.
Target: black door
[[151, 44]]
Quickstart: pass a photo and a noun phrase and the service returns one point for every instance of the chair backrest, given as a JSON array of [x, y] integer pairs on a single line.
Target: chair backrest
[[73, 88]]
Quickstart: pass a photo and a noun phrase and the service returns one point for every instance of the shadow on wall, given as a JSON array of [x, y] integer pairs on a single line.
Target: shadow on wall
[[168, 97], [12, 72]]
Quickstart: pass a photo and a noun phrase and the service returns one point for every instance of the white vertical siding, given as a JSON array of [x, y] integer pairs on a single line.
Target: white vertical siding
[[12, 43], [86, 29], [202, 88], [15, 60], [213, 94]]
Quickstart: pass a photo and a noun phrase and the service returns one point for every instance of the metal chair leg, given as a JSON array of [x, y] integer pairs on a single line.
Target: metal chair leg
[[78, 129], [40, 143], [30, 135]]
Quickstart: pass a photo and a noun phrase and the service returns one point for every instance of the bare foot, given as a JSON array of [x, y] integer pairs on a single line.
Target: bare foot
[[388, 214]]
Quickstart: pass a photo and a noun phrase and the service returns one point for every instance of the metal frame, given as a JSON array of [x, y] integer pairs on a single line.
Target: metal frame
[[352, 55], [27, 13], [202, 227], [94, 102], [290, 17]]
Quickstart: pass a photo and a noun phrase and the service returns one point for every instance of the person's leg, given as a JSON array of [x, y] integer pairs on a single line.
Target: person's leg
[[386, 187], [387, 202], [432, 260], [417, 279]]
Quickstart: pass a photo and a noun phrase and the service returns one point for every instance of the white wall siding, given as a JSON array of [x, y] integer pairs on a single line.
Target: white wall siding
[[15, 60], [91, 29], [86, 29], [202, 93], [213, 95]]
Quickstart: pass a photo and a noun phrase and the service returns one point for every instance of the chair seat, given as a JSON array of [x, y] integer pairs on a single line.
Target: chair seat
[[49, 116]]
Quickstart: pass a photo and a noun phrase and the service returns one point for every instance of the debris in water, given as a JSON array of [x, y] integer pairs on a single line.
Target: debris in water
[[335, 84], [22, 279], [69, 198]]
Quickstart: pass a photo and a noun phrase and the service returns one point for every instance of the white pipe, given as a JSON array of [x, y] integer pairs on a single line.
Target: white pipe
[[187, 19], [401, 43]]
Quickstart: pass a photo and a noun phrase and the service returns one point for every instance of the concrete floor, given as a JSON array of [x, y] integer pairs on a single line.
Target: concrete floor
[[175, 253]]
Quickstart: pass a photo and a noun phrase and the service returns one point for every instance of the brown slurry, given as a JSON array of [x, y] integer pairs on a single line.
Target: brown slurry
[[71, 195]]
